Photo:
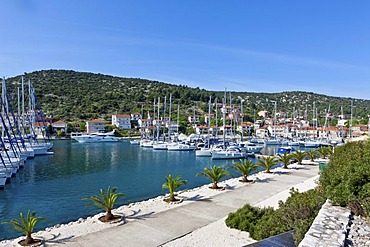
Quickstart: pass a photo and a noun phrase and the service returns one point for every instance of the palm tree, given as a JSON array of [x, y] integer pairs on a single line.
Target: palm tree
[[172, 184], [244, 167], [299, 156], [215, 173], [25, 225], [267, 163], [285, 159], [105, 201], [311, 154], [324, 151]]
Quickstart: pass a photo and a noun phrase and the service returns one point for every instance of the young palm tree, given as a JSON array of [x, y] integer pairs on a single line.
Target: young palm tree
[[285, 159], [105, 201], [299, 156], [172, 184], [25, 225], [215, 173], [267, 163], [311, 154], [324, 151], [244, 167]]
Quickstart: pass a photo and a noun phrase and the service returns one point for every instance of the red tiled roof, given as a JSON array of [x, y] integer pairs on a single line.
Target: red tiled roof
[[123, 116], [59, 122], [96, 121]]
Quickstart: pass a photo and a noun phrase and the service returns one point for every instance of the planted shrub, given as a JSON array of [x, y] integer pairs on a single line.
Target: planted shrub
[[297, 213], [346, 182]]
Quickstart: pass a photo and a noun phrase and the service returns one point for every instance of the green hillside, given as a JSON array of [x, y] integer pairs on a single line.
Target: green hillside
[[80, 96]]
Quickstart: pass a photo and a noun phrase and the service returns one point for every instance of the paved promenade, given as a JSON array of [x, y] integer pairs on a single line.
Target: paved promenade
[[163, 227]]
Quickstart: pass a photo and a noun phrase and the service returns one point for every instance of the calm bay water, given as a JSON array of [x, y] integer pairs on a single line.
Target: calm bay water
[[53, 185]]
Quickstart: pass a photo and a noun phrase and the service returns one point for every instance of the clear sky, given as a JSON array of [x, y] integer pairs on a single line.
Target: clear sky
[[248, 46]]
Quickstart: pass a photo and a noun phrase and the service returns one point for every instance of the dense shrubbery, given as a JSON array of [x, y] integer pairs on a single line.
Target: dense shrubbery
[[346, 182], [297, 214]]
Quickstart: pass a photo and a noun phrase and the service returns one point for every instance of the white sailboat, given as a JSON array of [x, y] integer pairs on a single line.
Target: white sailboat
[[232, 152], [206, 151], [176, 146]]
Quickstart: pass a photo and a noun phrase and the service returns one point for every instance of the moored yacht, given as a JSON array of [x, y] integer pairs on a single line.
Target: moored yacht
[[252, 148], [96, 137], [180, 147], [232, 152]]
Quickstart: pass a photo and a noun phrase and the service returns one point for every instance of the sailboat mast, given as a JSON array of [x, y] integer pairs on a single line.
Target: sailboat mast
[[153, 118], [178, 118], [169, 118], [23, 105], [164, 116], [3, 106], [224, 117], [216, 118], [209, 118], [158, 123]]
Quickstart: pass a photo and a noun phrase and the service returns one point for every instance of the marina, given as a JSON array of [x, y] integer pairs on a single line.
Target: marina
[[53, 185]]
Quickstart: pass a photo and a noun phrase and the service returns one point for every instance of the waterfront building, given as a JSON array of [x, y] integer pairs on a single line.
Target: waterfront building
[[121, 121], [201, 129], [136, 116], [59, 126], [208, 117], [94, 126]]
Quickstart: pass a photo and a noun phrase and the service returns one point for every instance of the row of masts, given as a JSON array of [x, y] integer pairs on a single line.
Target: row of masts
[[18, 140]]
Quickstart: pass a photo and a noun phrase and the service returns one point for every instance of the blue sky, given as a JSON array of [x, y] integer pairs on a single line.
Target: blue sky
[[246, 46]]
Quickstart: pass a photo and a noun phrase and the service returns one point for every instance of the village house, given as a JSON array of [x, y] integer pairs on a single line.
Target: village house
[[201, 129], [40, 129], [208, 117], [136, 116], [95, 125], [143, 123], [121, 121], [193, 120], [227, 128], [263, 114], [214, 130], [244, 127], [360, 128], [59, 126], [330, 132], [172, 126], [261, 133]]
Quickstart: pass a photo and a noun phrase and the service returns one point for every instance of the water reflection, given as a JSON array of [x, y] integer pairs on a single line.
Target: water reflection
[[54, 185]]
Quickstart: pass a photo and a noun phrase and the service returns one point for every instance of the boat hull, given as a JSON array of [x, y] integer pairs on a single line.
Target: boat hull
[[221, 155], [204, 152]]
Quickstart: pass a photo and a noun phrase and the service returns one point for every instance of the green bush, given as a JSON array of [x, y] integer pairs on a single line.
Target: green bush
[[346, 182], [297, 213], [246, 218]]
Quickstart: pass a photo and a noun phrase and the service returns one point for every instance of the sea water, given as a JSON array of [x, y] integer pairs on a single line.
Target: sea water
[[53, 186]]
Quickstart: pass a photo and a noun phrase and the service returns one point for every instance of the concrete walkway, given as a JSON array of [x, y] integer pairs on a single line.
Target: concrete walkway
[[163, 227]]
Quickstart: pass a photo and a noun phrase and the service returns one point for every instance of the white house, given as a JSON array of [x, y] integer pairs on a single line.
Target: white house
[[193, 119], [95, 125], [136, 116], [208, 117], [121, 121], [59, 126], [201, 129], [144, 123]]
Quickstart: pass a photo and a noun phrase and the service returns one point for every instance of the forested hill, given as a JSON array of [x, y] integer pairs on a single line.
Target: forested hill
[[75, 96]]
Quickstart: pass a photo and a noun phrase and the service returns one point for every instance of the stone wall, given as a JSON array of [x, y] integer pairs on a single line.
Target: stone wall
[[329, 228]]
